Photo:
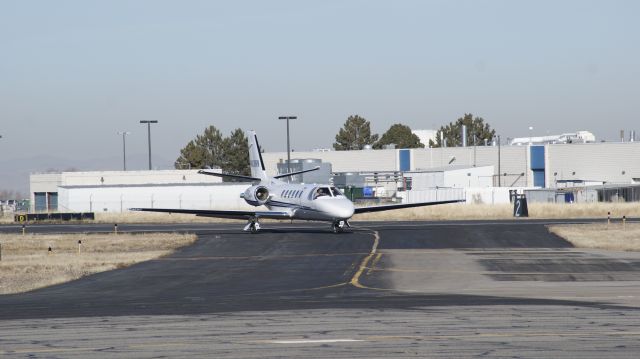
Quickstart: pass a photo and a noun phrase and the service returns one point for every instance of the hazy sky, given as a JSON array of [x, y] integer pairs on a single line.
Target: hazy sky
[[73, 73]]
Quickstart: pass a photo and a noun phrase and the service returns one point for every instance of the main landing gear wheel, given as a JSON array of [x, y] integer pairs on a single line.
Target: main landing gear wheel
[[252, 226]]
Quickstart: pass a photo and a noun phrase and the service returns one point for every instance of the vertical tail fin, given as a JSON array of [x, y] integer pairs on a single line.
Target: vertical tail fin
[[255, 157]]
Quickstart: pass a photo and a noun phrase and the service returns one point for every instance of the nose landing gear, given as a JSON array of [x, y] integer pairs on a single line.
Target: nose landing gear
[[339, 226]]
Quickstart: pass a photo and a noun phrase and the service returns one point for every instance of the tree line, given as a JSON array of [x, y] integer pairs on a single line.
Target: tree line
[[231, 154], [211, 149], [355, 134]]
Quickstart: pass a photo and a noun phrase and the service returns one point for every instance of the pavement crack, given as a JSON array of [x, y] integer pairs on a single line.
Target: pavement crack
[[355, 280]]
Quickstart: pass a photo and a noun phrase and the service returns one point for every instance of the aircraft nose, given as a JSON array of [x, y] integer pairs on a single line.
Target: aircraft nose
[[337, 208], [343, 208]]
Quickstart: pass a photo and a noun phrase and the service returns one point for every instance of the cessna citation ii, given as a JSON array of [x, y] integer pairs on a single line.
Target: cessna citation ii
[[311, 202]]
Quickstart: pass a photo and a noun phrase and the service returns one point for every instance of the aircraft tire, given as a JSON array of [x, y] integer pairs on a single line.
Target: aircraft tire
[[336, 228]]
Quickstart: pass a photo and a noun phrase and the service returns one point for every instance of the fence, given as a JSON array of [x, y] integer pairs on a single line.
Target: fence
[[498, 195], [619, 194], [433, 195]]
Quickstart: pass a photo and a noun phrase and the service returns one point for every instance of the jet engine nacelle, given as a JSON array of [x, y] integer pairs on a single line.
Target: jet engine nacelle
[[256, 195]]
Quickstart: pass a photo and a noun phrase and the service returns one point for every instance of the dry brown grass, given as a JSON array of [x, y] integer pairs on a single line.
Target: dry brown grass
[[6, 218], [601, 236], [461, 211], [26, 263]]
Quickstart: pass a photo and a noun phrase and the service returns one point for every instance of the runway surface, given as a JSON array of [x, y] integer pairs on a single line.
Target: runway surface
[[433, 289]]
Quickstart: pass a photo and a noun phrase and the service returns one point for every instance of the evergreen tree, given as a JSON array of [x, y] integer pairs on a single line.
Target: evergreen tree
[[401, 136], [211, 150], [205, 151], [354, 135], [236, 154], [477, 130]]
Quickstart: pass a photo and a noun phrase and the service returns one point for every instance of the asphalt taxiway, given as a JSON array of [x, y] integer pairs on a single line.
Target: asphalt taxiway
[[433, 289]]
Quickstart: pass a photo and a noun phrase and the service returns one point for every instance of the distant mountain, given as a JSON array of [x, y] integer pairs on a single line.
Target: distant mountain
[[14, 174]]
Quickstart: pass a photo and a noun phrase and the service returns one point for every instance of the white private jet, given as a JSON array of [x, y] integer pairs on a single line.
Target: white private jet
[[312, 202]]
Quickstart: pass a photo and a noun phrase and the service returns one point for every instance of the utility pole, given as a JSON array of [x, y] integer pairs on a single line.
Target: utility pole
[[474, 150], [124, 149], [149, 137], [288, 147], [499, 169]]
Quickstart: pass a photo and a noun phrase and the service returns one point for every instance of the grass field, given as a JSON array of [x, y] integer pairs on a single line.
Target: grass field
[[27, 264], [505, 211], [443, 212], [6, 218], [612, 237]]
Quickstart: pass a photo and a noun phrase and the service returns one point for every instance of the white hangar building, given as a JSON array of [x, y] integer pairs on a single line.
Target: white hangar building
[[116, 191]]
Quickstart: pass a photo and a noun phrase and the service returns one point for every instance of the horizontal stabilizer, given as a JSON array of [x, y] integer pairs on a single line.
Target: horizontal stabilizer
[[296, 173], [216, 174]]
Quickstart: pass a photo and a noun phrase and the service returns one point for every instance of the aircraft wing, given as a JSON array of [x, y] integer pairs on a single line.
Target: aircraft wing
[[399, 206], [219, 214]]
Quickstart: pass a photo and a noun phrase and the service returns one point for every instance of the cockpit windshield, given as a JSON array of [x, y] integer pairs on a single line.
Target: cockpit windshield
[[326, 192], [321, 192], [336, 192]]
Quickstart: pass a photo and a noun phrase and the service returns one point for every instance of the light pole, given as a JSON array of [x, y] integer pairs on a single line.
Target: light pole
[[474, 149], [288, 148], [530, 134], [499, 169], [124, 149], [149, 137]]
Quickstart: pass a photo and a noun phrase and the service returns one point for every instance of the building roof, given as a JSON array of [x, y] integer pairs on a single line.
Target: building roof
[[445, 168]]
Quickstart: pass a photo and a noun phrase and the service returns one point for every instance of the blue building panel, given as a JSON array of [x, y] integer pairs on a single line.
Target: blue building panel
[[52, 201], [367, 192], [40, 201], [405, 160], [537, 158], [538, 178]]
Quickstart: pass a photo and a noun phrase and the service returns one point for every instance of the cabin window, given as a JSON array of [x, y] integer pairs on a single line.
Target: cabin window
[[336, 192]]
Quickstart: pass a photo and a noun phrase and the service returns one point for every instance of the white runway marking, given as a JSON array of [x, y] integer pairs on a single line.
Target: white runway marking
[[312, 341]]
